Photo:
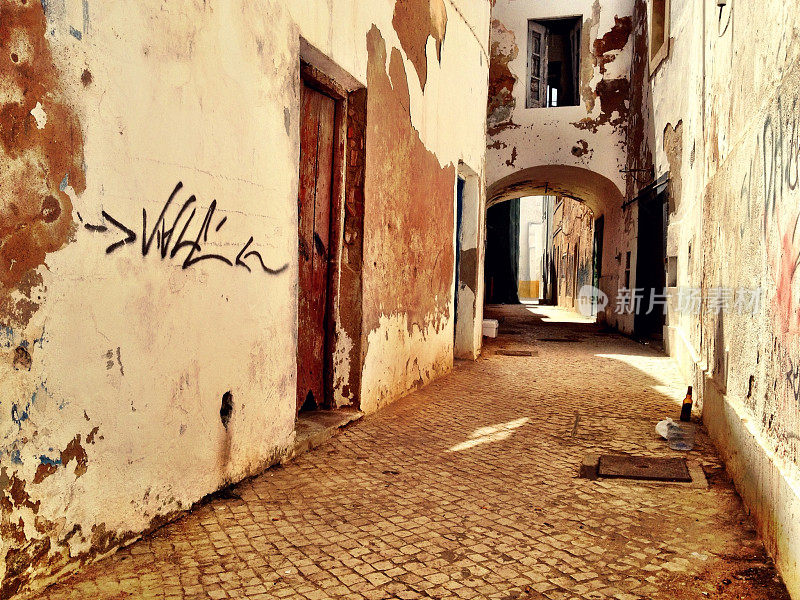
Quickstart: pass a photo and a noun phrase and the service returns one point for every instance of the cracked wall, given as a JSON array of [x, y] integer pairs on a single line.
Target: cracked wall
[[573, 238], [42, 161]]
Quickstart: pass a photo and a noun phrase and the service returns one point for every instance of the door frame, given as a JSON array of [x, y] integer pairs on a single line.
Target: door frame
[[469, 276], [343, 310]]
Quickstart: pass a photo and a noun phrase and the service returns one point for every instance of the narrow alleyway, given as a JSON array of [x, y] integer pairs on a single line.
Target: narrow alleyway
[[469, 489]]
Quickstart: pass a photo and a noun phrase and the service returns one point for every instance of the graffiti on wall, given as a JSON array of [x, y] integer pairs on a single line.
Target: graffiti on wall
[[776, 160], [769, 191], [169, 235]]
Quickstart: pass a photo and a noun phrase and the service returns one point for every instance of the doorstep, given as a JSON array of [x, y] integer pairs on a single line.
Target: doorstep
[[313, 429]]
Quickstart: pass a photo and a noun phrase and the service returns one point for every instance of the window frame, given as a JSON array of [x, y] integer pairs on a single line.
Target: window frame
[[656, 57], [572, 47]]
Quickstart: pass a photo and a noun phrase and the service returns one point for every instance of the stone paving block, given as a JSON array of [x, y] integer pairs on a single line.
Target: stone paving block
[[469, 488]]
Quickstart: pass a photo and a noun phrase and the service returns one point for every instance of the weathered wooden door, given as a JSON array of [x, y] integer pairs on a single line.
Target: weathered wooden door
[[314, 208]]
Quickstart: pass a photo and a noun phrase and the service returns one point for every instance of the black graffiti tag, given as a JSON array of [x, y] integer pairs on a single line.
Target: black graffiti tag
[[793, 380], [171, 239]]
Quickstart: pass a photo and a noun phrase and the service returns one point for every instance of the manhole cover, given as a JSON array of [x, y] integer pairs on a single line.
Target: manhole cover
[[643, 467], [515, 352]]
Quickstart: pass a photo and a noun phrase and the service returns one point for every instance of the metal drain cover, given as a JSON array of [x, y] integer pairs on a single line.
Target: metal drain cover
[[643, 467]]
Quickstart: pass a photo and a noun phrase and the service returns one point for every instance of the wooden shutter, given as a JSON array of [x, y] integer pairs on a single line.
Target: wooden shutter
[[537, 65]]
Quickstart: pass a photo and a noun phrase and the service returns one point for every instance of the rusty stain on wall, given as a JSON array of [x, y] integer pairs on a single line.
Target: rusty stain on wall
[[501, 104], [27, 555], [588, 33], [511, 162], [409, 252], [581, 148], [673, 148], [75, 451], [639, 155], [349, 320], [42, 145], [613, 95], [611, 42], [415, 21]]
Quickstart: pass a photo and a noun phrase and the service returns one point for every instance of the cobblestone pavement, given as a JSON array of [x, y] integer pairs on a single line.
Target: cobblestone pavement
[[468, 488]]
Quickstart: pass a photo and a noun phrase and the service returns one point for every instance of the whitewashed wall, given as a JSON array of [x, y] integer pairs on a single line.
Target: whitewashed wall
[[114, 423]]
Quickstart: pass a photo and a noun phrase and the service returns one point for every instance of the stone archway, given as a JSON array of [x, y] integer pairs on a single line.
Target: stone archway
[[597, 191]]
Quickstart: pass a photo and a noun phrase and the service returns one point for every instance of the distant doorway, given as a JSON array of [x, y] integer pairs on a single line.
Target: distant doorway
[[502, 253], [460, 183], [597, 259], [651, 272]]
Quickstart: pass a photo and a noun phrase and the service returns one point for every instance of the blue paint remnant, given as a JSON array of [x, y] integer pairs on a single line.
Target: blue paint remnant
[[24, 343], [75, 33], [8, 334], [40, 339], [46, 460], [64, 182], [54, 10], [15, 457], [19, 416], [85, 16]]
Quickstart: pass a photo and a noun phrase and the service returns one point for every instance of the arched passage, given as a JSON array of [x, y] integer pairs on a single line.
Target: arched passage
[[584, 253], [599, 193]]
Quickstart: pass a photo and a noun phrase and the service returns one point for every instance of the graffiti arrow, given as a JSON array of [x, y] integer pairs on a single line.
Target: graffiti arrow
[[130, 235]]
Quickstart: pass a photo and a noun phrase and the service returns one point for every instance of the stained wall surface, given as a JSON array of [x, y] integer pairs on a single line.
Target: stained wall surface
[[720, 113], [148, 244], [575, 151], [573, 230]]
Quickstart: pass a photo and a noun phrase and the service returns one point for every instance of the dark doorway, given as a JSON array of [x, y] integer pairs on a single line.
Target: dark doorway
[[502, 253], [597, 259], [317, 144], [651, 273], [575, 273], [459, 217]]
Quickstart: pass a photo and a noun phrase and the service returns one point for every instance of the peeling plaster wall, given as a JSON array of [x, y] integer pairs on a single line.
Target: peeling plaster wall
[[730, 145], [590, 135], [145, 365], [577, 151], [573, 226], [469, 320], [409, 236]]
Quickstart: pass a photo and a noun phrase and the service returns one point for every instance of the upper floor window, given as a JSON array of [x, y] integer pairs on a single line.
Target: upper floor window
[[554, 47], [659, 32]]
